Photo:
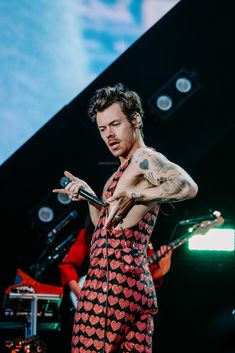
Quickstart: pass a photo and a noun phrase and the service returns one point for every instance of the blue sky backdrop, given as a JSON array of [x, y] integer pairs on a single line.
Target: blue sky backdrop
[[51, 50]]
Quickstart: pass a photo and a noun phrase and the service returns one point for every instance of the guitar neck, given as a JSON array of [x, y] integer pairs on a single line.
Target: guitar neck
[[203, 227], [172, 245]]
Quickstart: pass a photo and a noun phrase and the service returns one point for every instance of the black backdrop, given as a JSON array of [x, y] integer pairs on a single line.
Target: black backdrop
[[197, 298]]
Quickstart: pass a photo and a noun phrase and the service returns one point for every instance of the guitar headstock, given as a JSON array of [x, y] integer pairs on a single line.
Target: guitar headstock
[[206, 225]]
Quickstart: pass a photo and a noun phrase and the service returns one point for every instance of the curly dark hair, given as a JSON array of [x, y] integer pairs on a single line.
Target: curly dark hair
[[130, 101]]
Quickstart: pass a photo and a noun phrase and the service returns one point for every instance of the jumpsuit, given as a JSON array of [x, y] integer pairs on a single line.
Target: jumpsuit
[[117, 303]]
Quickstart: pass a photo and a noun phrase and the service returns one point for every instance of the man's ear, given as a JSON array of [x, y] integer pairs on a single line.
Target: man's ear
[[137, 121]]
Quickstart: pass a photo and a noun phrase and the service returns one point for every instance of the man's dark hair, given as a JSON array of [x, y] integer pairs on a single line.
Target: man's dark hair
[[130, 101]]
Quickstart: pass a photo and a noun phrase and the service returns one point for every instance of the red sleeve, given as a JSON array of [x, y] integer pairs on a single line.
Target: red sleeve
[[74, 259]]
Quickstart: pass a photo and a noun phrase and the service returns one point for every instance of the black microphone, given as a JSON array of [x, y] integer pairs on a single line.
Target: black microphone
[[64, 181], [208, 217], [62, 224]]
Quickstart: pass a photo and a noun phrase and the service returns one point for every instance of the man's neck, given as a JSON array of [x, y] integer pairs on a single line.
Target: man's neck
[[138, 144]]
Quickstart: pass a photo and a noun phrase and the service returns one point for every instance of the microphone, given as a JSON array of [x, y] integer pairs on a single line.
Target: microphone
[[62, 247], [64, 181], [210, 216], [62, 224]]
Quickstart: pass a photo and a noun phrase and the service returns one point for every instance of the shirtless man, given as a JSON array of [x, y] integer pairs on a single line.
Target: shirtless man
[[117, 302]]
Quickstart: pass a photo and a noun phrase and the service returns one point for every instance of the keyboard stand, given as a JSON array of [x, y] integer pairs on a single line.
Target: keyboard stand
[[31, 327]]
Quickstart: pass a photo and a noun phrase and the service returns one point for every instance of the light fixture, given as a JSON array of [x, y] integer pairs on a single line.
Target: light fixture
[[173, 94], [164, 102], [183, 84], [214, 239], [63, 198], [45, 214]]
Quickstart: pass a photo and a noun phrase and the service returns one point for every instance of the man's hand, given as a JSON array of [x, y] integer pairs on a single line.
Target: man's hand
[[72, 188], [119, 205]]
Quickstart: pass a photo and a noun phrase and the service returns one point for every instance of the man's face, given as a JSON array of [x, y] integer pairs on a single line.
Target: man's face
[[116, 130]]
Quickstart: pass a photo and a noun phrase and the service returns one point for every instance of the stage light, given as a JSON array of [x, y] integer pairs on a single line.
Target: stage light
[[64, 199], [45, 214], [215, 239], [173, 94], [183, 84], [164, 102], [48, 212]]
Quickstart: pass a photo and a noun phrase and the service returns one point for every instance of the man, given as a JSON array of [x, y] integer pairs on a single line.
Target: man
[[117, 302]]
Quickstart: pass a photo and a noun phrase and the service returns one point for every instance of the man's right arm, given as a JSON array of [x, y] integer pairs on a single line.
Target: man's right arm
[[94, 213]]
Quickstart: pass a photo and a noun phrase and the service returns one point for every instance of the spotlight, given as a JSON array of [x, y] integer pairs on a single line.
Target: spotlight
[[45, 214], [164, 102], [49, 211], [183, 84], [214, 239], [173, 94], [64, 199]]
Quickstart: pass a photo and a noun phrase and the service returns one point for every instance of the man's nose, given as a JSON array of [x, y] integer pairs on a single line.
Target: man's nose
[[109, 132]]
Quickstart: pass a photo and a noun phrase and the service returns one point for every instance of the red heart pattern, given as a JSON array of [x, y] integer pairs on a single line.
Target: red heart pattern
[[118, 299]]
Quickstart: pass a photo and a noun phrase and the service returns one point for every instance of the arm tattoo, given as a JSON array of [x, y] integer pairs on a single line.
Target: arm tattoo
[[157, 163], [166, 176], [153, 180], [175, 189], [137, 198], [144, 164], [160, 165]]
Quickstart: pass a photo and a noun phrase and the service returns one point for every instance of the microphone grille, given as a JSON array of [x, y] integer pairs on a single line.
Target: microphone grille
[[74, 214], [64, 181]]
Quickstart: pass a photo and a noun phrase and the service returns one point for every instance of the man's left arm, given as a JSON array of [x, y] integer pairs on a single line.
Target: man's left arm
[[169, 182]]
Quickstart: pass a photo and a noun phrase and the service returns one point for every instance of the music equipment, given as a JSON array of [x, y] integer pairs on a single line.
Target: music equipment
[[211, 216], [30, 345], [201, 228], [27, 303], [65, 181]]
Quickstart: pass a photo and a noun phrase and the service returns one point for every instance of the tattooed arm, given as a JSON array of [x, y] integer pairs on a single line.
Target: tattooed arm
[[168, 181], [164, 182]]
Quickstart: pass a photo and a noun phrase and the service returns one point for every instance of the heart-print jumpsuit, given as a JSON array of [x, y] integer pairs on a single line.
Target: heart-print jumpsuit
[[118, 301]]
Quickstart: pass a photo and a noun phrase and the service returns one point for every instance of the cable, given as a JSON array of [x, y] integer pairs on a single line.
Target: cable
[[164, 213], [173, 232]]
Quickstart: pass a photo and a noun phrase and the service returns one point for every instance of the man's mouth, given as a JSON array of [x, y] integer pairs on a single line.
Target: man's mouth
[[113, 145]]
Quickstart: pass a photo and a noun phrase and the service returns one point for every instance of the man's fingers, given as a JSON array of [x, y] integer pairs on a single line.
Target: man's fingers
[[61, 191], [111, 199], [70, 176], [116, 196], [110, 218]]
